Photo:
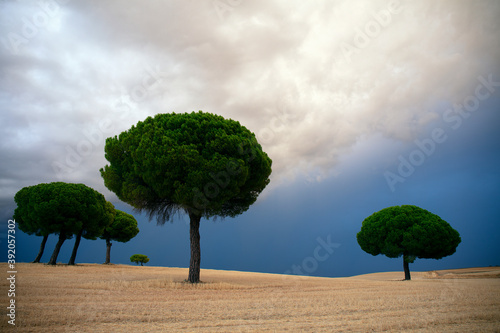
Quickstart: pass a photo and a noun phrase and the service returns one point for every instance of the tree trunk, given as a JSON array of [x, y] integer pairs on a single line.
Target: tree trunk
[[42, 248], [406, 267], [75, 248], [53, 259], [194, 233], [108, 251]]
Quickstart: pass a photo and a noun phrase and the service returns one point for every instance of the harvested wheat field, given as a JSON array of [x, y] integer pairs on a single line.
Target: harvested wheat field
[[121, 298]]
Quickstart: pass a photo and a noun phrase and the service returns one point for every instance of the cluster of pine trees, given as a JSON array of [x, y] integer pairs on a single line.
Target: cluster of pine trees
[[67, 210]]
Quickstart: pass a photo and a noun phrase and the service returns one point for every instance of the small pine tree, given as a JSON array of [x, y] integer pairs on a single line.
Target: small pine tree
[[139, 258], [408, 231]]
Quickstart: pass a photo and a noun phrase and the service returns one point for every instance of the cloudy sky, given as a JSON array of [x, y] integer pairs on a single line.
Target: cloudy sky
[[361, 105]]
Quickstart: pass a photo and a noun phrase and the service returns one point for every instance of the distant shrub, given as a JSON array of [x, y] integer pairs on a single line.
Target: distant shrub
[[139, 258]]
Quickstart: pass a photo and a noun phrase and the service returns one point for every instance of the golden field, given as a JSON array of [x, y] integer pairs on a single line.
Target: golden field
[[122, 298]]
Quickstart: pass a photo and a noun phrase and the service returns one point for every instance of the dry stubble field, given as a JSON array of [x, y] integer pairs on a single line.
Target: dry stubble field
[[121, 298]]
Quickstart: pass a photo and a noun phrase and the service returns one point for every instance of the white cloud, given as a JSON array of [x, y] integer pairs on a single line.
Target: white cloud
[[309, 79]]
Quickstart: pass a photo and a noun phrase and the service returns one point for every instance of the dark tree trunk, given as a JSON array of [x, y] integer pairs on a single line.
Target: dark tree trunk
[[141, 264], [108, 251], [53, 259], [406, 267], [75, 248], [42, 248], [194, 233]]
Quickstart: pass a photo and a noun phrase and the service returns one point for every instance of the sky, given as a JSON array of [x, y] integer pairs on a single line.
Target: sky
[[361, 105]]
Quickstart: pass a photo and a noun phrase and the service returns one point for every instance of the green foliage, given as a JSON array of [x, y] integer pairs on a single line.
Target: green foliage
[[25, 215], [122, 229], [197, 162], [62, 208], [139, 258], [409, 231]]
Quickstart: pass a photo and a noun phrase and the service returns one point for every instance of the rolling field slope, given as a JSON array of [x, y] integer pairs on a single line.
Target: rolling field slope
[[122, 298]]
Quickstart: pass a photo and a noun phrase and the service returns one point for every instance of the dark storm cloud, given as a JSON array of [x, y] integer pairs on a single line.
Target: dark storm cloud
[[326, 86]]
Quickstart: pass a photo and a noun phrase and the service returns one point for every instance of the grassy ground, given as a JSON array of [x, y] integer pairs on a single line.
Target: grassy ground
[[121, 298]]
